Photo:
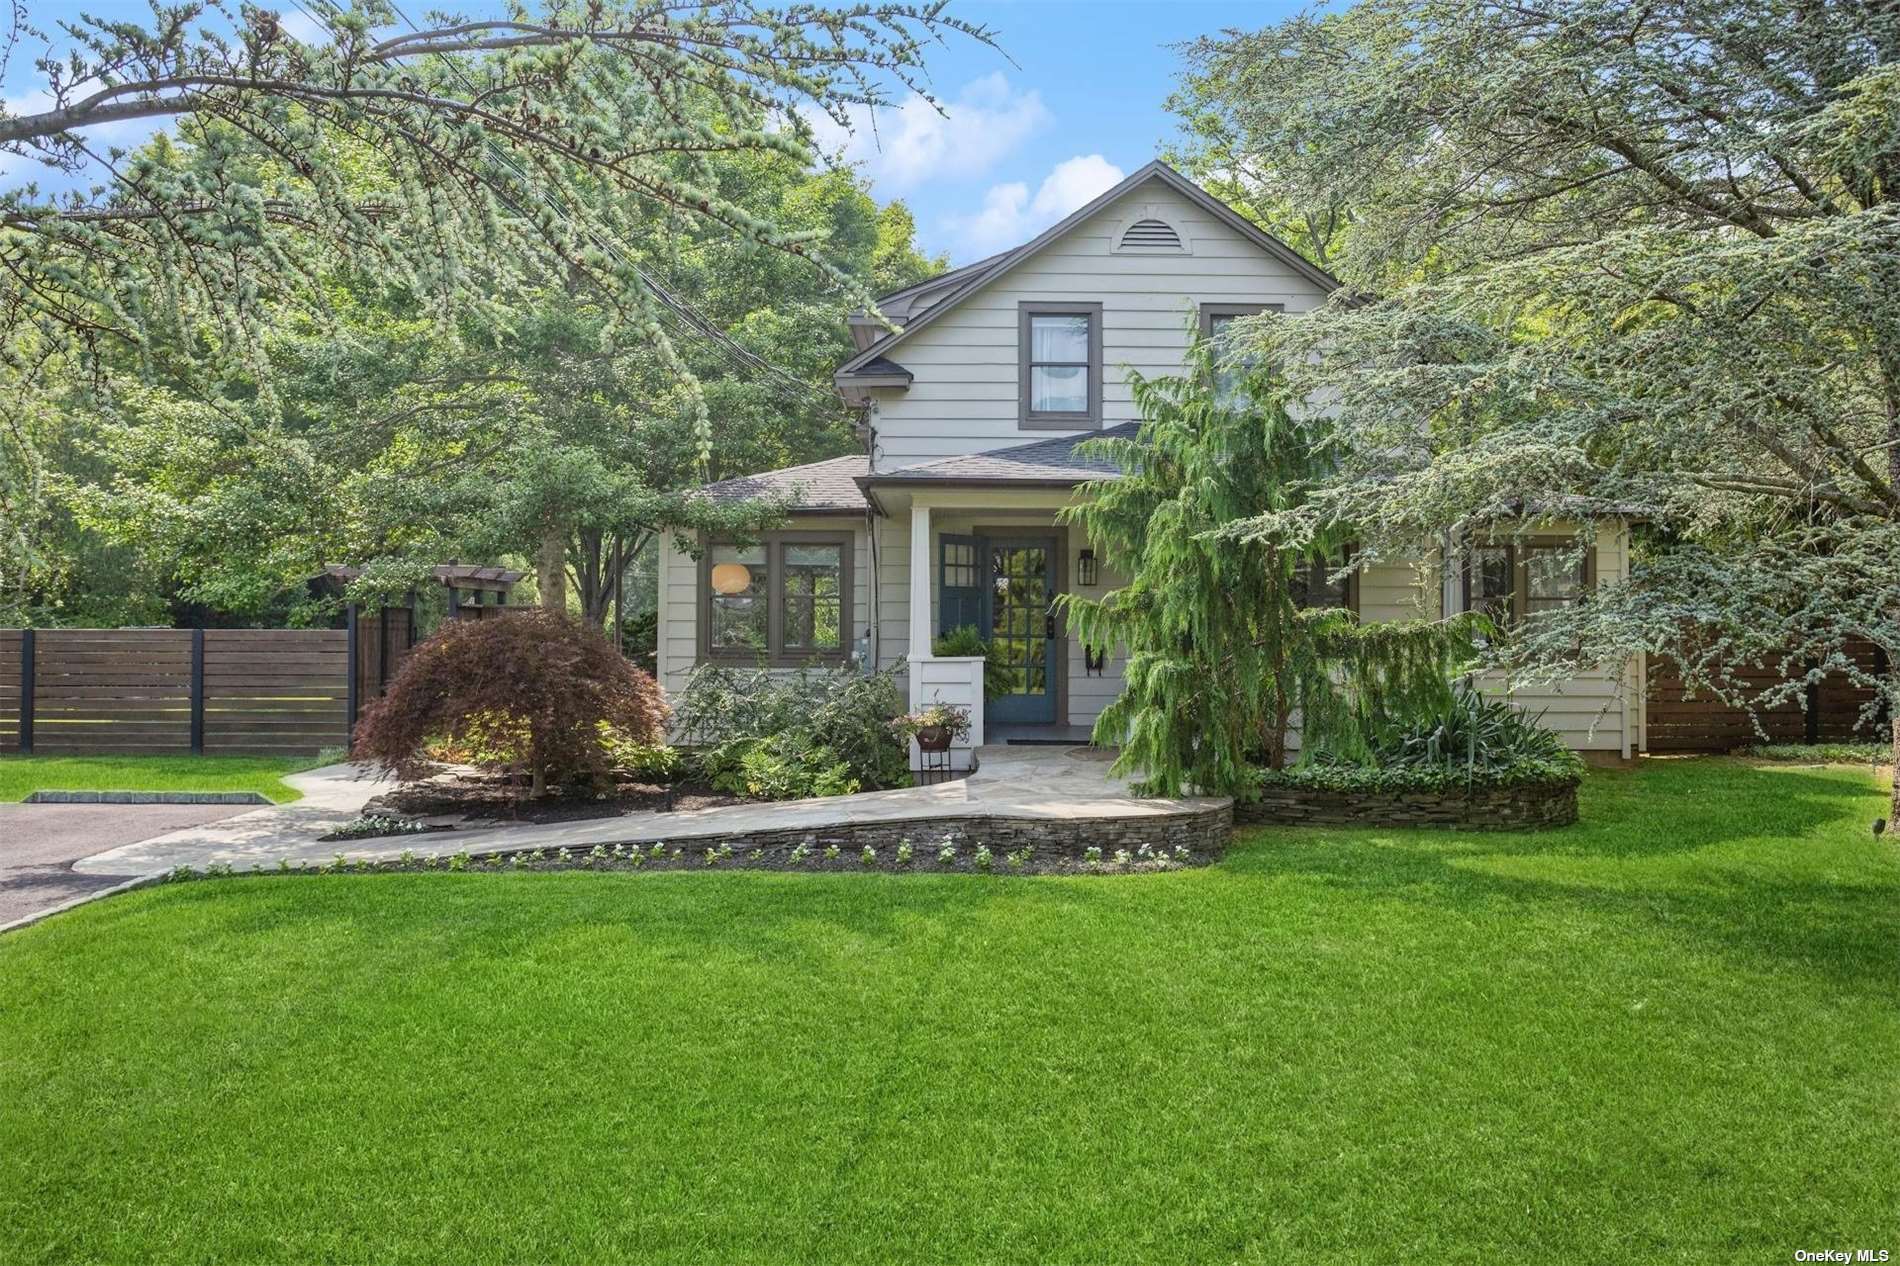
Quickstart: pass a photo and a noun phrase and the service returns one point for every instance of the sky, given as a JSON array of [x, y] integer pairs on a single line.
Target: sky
[[1072, 99], [1025, 144]]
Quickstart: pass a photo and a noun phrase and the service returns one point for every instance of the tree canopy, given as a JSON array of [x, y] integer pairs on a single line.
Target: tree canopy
[[393, 293], [1604, 260]]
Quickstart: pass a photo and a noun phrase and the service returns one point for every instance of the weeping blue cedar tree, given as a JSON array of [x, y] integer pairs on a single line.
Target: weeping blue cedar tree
[[1222, 657]]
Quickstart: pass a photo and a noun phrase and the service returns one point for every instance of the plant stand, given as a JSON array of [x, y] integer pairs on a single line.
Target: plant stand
[[933, 755]]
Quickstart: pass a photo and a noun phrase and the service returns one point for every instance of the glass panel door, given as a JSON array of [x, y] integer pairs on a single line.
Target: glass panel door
[[1022, 620]]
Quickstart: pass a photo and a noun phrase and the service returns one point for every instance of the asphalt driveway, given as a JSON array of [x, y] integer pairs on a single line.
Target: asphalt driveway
[[40, 842]]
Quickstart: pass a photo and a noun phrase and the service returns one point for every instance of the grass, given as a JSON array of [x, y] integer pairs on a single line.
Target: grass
[[1666, 1034], [1823, 753], [20, 776]]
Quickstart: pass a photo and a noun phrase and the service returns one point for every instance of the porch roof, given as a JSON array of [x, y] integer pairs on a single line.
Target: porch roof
[[1043, 464], [827, 487]]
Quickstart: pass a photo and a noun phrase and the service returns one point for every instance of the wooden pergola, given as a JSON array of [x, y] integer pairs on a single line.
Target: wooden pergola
[[379, 642]]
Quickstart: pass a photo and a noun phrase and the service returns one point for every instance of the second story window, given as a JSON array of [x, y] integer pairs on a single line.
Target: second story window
[[1217, 327], [1060, 354]]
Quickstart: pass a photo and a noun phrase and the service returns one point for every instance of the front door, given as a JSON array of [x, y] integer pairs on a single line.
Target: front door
[[1022, 627]]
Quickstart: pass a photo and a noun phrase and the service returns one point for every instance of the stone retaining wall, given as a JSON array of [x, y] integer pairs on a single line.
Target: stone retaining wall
[[1202, 831], [1483, 808]]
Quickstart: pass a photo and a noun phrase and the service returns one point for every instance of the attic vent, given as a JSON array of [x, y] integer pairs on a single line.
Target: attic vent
[[1151, 235]]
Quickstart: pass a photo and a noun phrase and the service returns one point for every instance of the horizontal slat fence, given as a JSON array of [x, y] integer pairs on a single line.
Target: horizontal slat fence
[[9, 689], [111, 690], [158, 691], [273, 691], [1678, 723]]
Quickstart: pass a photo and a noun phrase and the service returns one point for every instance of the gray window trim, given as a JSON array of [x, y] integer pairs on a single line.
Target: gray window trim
[[1211, 310], [1031, 420], [1517, 552], [775, 655]]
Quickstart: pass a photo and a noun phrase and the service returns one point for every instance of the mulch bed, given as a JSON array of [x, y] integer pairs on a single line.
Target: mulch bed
[[498, 798]]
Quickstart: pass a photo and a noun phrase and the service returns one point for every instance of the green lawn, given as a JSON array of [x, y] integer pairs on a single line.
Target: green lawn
[[22, 775], [1672, 1033]]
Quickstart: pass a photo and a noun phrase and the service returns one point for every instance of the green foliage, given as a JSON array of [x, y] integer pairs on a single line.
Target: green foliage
[[1398, 779], [816, 731], [1474, 733], [776, 769], [1822, 753], [422, 304], [1465, 739], [1634, 264], [1221, 657], [1000, 677], [643, 762]]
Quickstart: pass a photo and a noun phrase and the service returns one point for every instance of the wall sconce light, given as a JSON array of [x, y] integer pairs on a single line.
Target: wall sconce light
[[1085, 571]]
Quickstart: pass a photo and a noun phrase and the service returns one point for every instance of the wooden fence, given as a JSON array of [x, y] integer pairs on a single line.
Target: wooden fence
[[1829, 712], [154, 691]]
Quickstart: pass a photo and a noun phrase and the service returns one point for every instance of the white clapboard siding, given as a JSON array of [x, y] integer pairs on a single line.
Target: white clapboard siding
[[963, 398]]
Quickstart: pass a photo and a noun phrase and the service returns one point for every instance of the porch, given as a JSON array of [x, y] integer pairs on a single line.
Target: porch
[[998, 561]]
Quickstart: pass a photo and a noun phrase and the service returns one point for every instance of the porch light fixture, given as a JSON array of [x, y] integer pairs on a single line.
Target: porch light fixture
[[731, 578], [1085, 571]]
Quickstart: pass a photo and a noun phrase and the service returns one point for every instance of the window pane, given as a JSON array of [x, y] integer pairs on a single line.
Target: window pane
[[738, 599], [1313, 586], [1059, 390], [813, 579], [1059, 338], [1229, 369], [1554, 578]]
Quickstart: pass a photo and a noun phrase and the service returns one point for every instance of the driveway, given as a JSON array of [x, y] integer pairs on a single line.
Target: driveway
[[40, 842]]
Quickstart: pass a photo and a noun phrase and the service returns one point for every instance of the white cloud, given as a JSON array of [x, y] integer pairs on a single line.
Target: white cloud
[[1009, 216], [910, 144], [299, 25]]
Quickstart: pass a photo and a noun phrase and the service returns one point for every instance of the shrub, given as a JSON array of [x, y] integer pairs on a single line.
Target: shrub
[[999, 676], [1822, 753], [814, 732], [1473, 732], [1566, 768], [531, 688], [761, 767], [643, 762]]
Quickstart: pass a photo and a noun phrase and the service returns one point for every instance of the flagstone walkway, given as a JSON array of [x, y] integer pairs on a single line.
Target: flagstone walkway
[[1020, 784]]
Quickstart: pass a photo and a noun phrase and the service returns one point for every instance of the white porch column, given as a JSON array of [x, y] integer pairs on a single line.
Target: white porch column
[[919, 596]]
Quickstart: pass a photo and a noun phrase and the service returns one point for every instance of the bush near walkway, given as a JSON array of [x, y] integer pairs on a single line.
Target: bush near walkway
[[532, 689]]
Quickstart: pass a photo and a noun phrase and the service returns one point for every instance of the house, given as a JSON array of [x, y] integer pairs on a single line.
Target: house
[[973, 410]]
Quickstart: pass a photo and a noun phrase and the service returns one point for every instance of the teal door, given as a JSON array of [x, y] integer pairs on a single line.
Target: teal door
[[1022, 627]]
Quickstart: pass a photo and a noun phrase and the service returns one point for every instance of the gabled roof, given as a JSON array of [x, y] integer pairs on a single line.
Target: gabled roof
[[1051, 463], [828, 487], [972, 277]]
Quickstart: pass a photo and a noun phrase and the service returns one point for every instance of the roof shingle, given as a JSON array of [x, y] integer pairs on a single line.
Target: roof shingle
[[827, 487], [1045, 462]]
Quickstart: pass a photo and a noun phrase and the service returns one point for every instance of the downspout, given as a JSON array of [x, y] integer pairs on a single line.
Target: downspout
[[874, 590]]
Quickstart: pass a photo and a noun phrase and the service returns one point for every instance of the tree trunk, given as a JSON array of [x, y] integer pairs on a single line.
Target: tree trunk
[[550, 573], [538, 784]]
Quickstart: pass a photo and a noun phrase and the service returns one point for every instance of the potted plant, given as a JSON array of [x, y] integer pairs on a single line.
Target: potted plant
[[936, 727]]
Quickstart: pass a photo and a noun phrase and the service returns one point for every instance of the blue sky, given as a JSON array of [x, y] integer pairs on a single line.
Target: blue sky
[[1026, 144], [1023, 143]]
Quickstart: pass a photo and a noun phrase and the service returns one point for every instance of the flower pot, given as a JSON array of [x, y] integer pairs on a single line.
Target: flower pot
[[933, 738]]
